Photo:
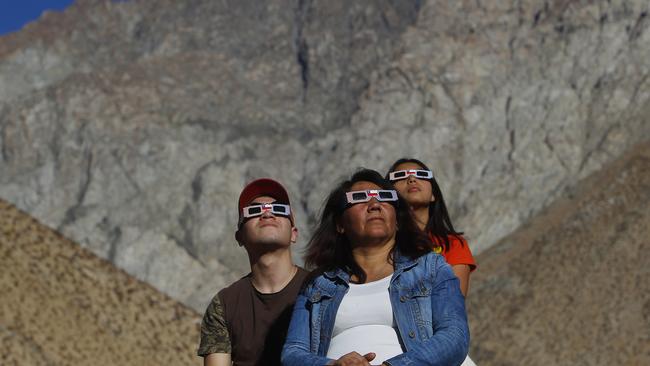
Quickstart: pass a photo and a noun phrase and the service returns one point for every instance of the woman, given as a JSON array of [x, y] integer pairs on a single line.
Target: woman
[[415, 182], [378, 294]]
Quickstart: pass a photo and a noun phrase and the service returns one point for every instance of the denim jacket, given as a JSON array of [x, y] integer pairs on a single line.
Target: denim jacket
[[428, 308]]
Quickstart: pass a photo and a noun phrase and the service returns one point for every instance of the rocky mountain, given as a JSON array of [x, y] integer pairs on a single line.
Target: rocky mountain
[[569, 287], [131, 126], [62, 305], [572, 286]]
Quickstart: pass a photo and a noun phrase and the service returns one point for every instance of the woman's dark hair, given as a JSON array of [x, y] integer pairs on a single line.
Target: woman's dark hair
[[328, 249], [439, 225]]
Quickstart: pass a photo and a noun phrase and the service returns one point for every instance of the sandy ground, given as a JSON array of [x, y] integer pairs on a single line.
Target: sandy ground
[[61, 305]]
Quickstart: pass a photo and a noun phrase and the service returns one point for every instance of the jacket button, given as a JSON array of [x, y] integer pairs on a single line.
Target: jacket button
[[412, 334], [402, 298]]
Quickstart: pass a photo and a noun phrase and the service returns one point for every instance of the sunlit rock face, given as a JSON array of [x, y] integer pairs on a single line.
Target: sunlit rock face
[[131, 127]]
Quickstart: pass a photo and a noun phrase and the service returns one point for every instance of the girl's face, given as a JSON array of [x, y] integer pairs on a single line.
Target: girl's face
[[371, 221], [417, 192]]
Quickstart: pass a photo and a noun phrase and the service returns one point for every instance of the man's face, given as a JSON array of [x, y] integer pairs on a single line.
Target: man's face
[[266, 230]]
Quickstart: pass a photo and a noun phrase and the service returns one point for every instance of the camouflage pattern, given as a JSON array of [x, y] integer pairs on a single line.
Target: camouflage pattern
[[214, 331]]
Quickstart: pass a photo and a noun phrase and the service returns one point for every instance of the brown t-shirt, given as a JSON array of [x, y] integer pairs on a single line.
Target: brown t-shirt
[[249, 325]]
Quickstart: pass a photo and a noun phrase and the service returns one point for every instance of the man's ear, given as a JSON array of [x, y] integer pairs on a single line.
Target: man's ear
[[238, 237], [294, 234]]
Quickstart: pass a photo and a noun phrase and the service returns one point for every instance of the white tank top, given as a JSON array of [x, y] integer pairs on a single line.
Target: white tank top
[[364, 323]]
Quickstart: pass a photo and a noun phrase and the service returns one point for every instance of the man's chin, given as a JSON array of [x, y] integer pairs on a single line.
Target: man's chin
[[268, 245]]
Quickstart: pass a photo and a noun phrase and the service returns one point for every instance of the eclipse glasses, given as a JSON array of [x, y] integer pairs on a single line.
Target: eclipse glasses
[[381, 195], [259, 209], [403, 174]]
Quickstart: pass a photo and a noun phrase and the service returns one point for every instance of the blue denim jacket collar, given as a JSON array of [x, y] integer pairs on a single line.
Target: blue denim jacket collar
[[402, 262], [338, 273]]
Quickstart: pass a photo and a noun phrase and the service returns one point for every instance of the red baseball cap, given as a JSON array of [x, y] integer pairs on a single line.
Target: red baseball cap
[[263, 187]]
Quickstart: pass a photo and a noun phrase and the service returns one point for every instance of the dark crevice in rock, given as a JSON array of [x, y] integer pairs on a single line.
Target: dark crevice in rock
[[638, 28], [603, 19], [5, 154], [385, 21], [197, 181], [599, 82], [541, 14], [188, 219], [536, 17], [73, 212], [197, 187], [4, 151], [597, 148], [56, 141], [87, 178], [114, 237], [510, 129], [511, 47], [306, 186], [457, 105], [551, 148], [484, 171], [303, 61], [300, 44], [396, 70], [185, 220], [205, 124], [637, 87], [127, 175]]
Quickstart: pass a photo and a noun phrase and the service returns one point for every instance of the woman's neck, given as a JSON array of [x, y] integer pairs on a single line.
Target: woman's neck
[[421, 216], [374, 260]]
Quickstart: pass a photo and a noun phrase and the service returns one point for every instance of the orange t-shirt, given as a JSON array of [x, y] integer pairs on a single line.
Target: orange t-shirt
[[458, 252]]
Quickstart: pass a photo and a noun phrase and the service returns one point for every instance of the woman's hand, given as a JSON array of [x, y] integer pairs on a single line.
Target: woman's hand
[[355, 359]]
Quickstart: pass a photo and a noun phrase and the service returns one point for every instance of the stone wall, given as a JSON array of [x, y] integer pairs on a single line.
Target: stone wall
[[132, 126]]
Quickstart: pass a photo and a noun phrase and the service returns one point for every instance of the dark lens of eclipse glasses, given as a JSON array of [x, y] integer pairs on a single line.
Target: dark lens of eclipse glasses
[[359, 196], [385, 195]]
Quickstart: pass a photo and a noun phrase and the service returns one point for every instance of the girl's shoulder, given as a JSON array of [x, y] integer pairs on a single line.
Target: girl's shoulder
[[455, 241]]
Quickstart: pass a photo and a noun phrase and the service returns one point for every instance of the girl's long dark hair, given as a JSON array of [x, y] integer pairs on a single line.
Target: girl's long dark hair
[[439, 224], [328, 249]]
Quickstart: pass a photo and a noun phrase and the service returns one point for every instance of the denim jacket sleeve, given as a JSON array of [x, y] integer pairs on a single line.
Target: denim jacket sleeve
[[296, 350], [450, 340]]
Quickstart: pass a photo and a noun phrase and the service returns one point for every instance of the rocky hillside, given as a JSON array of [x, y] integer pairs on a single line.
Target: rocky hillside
[[572, 287], [61, 305], [131, 126]]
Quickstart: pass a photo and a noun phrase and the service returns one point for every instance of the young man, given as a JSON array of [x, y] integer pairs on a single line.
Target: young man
[[246, 323]]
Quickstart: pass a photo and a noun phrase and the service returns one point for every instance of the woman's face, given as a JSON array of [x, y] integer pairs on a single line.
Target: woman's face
[[417, 192], [368, 222]]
